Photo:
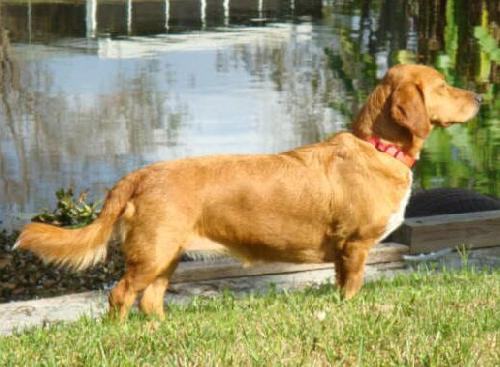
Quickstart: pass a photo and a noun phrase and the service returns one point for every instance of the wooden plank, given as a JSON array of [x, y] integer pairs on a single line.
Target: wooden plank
[[231, 268], [387, 252], [427, 234], [260, 283]]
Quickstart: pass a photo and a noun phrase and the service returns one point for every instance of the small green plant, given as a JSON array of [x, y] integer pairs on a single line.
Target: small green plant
[[464, 252], [24, 276], [488, 43], [69, 212]]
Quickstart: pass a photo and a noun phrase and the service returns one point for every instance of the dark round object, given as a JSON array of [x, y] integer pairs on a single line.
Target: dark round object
[[449, 201]]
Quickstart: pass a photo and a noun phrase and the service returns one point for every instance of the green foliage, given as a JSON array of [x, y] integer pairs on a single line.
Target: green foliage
[[488, 43], [463, 48], [69, 212], [25, 276]]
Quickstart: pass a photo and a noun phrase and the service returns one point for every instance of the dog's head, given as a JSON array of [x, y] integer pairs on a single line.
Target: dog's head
[[409, 102], [421, 98]]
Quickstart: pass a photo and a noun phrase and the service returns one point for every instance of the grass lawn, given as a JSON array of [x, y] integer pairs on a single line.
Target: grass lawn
[[421, 319]]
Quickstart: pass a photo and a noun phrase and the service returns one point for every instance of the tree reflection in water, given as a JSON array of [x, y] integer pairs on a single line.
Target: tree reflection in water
[[83, 108]]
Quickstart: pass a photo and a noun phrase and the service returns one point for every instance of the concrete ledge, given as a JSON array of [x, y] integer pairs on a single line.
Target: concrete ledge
[[20, 315]]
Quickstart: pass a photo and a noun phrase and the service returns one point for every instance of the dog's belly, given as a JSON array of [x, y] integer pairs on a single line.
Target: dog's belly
[[268, 236], [263, 248], [249, 253], [270, 221]]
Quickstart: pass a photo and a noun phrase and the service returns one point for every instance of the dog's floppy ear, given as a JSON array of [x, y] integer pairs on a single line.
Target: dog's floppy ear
[[408, 110]]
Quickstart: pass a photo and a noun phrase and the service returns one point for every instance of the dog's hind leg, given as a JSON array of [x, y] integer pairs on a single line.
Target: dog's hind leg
[[153, 297], [151, 254], [144, 277], [123, 296]]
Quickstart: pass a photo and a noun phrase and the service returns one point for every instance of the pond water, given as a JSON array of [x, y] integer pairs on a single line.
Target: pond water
[[92, 89]]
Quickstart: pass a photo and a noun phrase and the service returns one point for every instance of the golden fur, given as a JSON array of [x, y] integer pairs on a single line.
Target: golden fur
[[325, 202]]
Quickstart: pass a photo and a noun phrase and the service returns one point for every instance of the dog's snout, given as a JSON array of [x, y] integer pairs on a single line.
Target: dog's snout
[[478, 98]]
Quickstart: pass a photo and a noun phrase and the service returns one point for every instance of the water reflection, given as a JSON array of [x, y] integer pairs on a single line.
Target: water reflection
[[93, 89], [44, 21], [458, 37]]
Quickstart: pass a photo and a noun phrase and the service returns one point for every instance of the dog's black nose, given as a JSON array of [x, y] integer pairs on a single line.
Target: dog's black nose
[[478, 98]]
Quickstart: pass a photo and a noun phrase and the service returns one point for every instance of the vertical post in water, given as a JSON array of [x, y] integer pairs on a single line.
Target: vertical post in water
[[90, 18], [129, 16], [167, 14], [260, 7], [29, 21], [225, 5], [203, 11]]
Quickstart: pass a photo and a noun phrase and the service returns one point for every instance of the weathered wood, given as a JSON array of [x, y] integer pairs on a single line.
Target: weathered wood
[[230, 268], [427, 234], [387, 252]]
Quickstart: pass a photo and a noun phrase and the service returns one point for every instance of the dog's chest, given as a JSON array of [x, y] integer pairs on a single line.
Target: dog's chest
[[398, 216]]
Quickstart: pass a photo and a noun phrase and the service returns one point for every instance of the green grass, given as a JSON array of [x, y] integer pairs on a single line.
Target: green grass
[[421, 319]]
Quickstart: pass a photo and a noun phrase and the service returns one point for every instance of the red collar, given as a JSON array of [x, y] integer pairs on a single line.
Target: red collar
[[392, 150]]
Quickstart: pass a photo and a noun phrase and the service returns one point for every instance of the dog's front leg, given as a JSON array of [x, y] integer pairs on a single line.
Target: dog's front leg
[[350, 267]]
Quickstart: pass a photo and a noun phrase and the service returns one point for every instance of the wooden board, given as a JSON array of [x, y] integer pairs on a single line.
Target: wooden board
[[473, 230], [230, 268]]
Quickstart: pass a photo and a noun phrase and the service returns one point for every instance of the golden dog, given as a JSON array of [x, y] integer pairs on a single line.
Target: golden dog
[[326, 202]]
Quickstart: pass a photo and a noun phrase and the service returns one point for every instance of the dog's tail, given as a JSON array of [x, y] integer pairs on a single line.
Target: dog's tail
[[80, 248]]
